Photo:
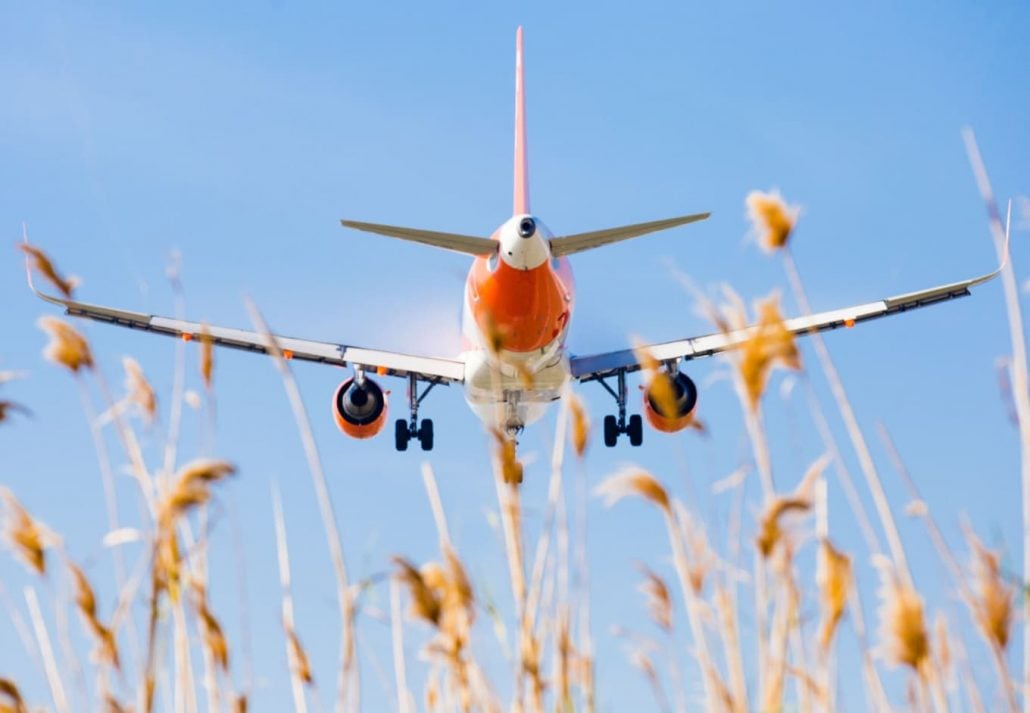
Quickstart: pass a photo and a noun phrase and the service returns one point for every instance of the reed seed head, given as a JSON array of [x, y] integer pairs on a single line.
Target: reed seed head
[[302, 663], [86, 602], [633, 481], [10, 697], [659, 601], [772, 219], [833, 577], [903, 633], [207, 356], [67, 347], [25, 535], [770, 345], [994, 596], [139, 391], [580, 424], [42, 264]]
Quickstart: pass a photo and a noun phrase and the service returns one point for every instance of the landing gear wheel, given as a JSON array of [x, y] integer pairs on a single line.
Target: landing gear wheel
[[425, 434], [611, 431], [401, 435], [635, 430]]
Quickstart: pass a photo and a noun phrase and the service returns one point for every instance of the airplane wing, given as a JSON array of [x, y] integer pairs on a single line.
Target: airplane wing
[[599, 366], [430, 369]]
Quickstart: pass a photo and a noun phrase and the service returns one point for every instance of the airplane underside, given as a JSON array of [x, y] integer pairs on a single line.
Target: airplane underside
[[508, 396]]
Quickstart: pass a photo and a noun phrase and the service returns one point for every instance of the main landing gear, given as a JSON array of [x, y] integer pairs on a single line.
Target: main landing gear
[[632, 427], [403, 430]]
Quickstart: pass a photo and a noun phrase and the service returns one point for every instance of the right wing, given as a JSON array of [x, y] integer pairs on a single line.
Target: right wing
[[468, 244], [430, 369], [599, 366]]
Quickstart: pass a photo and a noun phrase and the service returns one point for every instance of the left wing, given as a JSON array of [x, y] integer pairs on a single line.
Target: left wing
[[431, 369], [599, 366]]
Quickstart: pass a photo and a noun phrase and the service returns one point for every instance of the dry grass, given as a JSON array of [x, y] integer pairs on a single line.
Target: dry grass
[[733, 627]]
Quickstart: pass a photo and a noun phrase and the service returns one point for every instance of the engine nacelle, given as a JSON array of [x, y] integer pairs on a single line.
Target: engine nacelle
[[676, 413], [359, 409]]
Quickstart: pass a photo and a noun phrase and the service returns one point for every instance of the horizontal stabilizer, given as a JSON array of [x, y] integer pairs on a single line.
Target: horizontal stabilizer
[[569, 244], [468, 244]]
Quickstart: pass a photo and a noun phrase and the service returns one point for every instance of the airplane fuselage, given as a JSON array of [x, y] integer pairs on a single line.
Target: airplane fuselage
[[517, 309]]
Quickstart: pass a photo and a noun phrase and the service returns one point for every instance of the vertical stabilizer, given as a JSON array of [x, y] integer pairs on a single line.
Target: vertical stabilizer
[[521, 203]]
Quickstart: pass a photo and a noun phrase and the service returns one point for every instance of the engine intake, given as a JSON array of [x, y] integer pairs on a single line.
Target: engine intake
[[359, 409], [673, 410]]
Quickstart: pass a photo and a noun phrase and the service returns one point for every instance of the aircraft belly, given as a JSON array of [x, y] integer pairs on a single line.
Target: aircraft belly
[[503, 394]]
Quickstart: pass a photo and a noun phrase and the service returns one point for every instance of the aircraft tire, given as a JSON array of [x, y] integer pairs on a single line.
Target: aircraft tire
[[400, 434], [611, 431], [425, 434], [635, 430]]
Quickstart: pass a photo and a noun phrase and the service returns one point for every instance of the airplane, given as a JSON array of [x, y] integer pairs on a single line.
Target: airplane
[[518, 305]]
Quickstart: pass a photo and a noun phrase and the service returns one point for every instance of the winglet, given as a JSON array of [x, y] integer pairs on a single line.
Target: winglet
[[521, 197]]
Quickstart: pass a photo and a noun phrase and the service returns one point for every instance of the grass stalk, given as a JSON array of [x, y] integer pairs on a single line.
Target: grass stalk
[[1020, 382], [300, 704], [865, 458], [46, 652], [348, 685]]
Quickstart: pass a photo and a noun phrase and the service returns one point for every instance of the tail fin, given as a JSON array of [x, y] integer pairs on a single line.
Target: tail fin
[[521, 203]]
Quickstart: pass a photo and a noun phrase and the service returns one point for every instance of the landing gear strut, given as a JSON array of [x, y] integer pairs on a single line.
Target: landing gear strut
[[403, 430], [632, 427]]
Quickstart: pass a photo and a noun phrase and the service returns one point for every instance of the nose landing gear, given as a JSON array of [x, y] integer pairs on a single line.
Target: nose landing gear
[[403, 430]]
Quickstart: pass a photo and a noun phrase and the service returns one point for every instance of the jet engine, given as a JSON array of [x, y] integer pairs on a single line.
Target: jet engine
[[671, 412], [359, 408]]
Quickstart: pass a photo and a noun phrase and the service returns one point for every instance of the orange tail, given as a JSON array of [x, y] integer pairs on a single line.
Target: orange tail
[[521, 202]]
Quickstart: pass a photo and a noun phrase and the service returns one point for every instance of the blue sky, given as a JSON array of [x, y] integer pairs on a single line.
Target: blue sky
[[239, 134]]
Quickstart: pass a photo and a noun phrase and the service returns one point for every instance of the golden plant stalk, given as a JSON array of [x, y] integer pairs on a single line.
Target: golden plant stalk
[[865, 458], [1020, 381], [405, 702], [348, 685], [640, 483], [50, 667], [975, 604], [725, 606], [300, 668]]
